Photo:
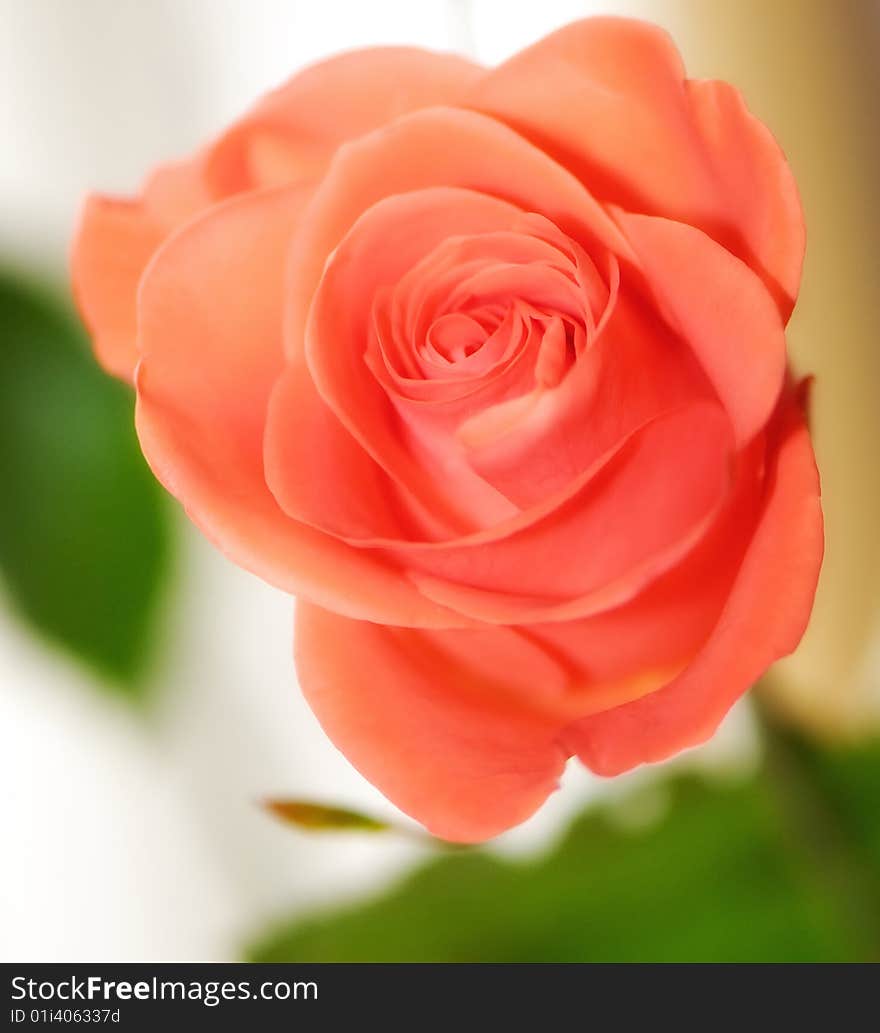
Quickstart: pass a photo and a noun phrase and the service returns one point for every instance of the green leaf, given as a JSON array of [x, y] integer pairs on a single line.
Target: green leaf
[[319, 817], [721, 877], [84, 529]]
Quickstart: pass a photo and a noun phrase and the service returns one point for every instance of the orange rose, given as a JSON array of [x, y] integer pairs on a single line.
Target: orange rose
[[489, 368]]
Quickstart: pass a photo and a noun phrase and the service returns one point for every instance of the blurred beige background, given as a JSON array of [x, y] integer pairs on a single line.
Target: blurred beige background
[[128, 839]]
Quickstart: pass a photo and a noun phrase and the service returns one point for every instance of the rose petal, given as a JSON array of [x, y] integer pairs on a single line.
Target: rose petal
[[114, 241], [763, 620], [292, 132], [450, 726], [608, 98], [722, 311]]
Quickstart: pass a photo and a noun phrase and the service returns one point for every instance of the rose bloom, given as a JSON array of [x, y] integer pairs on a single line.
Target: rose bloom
[[489, 368]]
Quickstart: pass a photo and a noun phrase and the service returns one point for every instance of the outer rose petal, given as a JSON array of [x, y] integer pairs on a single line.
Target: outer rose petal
[[763, 620], [115, 240], [293, 131], [210, 354], [608, 98], [451, 726], [723, 312]]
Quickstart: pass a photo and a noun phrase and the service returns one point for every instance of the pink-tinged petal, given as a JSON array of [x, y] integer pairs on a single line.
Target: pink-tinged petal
[[455, 728], [292, 132], [721, 309], [210, 310], [608, 98], [763, 620]]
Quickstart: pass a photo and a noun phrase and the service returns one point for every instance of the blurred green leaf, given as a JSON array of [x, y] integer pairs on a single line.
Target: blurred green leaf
[[84, 533], [319, 817], [723, 876]]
